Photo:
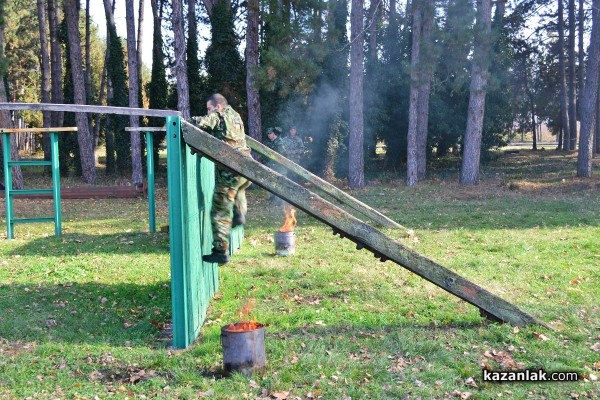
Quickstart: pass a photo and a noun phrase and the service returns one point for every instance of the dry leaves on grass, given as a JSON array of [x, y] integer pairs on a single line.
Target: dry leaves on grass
[[501, 357], [471, 382], [595, 347], [541, 336], [461, 395]]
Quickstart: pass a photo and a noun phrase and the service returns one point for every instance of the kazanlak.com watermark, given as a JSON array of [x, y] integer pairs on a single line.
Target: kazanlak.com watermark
[[529, 375]]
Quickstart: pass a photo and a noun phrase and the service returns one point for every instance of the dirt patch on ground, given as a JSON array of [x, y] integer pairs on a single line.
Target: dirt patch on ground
[[12, 349]]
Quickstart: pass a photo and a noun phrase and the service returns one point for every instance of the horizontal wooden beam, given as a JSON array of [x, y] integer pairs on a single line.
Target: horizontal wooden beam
[[27, 130], [323, 185], [78, 108], [344, 224], [146, 129]]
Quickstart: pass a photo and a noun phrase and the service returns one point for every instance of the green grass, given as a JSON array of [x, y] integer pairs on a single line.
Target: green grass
[[81, 314]]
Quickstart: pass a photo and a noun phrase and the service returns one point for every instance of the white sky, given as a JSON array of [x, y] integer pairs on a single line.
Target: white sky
[[98, 16]]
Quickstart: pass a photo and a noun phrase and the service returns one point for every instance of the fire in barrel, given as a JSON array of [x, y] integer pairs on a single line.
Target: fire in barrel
[[244, 345], [285, 237]]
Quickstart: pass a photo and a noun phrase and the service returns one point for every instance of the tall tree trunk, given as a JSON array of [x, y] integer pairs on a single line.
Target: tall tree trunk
[[564, 115], [413, 108], [56, 71], [597, 130], [252, 93], [590, 98], [110, 134], [84, 134], [88, 74], [373, 20], [572, 79], [134, 120], [469, 172], [426, 74], [356, 172], [140, 43], [5, 120], [183, 93], [581, 58], [45, 69], [103, 89], [533, 124], [196, 87]]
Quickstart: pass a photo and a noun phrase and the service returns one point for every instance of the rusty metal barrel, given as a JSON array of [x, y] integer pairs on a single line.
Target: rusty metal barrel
[[285, 243], [243, 351]]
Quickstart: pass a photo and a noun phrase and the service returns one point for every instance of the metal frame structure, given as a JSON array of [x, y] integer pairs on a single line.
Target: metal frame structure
[[10, 193], [190, 187]]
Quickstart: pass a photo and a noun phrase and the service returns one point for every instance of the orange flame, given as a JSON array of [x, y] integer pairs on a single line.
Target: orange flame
[[243, 326], [290, 219], [247, 325]]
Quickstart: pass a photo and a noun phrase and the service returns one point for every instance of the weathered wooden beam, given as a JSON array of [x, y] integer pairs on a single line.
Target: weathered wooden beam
[[78, 108], [323, 185], [27, 130], [348, 226]]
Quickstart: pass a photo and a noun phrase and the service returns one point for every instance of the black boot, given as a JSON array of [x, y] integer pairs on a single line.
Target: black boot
[[238, 218], [217, 256]]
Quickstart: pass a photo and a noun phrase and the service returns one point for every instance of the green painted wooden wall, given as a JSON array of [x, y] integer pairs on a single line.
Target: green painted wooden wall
[[191, 182]]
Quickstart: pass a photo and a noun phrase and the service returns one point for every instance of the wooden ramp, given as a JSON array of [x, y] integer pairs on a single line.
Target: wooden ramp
[[350, 227]]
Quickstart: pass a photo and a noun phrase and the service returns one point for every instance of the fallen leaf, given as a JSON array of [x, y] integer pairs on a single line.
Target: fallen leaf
[[595, 347], [541, 336], [471, 382], [208, 393], [466, 395], [516, 329], [280, 395]]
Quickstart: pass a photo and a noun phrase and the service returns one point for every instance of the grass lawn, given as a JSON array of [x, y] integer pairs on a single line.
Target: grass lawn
[[81, 316]]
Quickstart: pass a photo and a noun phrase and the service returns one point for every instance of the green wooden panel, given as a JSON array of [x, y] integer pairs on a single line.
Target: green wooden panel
[[191, 182]]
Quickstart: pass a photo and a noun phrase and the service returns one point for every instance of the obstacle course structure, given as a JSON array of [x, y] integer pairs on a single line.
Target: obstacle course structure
[[348, 226], [191, 185]]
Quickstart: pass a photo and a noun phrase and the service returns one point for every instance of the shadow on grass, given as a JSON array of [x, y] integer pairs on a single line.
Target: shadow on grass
[[81, 243], [120, 314], [126, 314]]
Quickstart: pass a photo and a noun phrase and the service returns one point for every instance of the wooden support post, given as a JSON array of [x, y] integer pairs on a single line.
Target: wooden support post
[[345, 224]]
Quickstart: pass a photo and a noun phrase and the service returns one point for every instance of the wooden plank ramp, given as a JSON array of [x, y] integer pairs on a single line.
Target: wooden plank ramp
[[347, 226]]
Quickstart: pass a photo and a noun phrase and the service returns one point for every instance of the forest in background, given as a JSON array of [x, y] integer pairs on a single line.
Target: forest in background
[[425, 78]]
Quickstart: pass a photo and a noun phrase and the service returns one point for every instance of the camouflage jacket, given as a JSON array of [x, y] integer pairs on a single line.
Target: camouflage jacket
[[277, 145], [294, 147], [226, 126]]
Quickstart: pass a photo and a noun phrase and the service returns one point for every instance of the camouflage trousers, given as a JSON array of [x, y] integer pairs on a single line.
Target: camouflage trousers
[[230, 195]]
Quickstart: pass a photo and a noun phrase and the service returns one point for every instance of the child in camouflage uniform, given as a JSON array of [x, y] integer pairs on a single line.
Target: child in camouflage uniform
[[277, 144], [225, 124], [294, 146]]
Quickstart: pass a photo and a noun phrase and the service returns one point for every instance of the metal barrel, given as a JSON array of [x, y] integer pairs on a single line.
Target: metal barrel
[[285, 243], [244, 351]]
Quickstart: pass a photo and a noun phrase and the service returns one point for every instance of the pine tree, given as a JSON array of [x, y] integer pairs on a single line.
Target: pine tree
[[120, 98], [157, 90], [224, 66]]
